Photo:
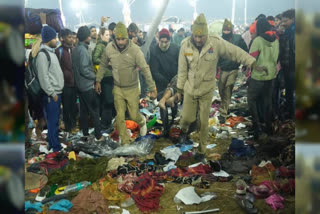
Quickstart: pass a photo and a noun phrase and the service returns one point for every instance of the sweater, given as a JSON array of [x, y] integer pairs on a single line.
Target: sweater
[[82, 68], [50, 78]]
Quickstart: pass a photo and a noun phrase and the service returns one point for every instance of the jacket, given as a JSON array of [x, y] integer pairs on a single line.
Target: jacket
[[267, 53], [82, 68], [50, 78], [197, 71], [228, 65], [96, 58], [66, 64], [125, 66], [177, 39], [164, 65]]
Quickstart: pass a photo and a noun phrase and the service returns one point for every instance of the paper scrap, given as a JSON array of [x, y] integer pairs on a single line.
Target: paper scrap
[[188, 196], [221, 173]]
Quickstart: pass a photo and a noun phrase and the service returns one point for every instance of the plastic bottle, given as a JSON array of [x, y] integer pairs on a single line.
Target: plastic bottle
[[77, 186]]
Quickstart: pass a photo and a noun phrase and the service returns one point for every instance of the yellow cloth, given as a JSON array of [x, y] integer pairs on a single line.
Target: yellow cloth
[[72, 155]]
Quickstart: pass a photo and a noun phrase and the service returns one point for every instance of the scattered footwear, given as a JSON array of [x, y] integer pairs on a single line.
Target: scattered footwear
[[241, 187], [143, 129], [101, 139], [246, 205], [222, 119]]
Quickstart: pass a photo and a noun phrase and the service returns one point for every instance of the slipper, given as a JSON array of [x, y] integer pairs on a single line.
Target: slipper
[[246, 205], [241, 187]]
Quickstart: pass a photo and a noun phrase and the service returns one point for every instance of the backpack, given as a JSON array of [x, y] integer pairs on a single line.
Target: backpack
[[31, 81]]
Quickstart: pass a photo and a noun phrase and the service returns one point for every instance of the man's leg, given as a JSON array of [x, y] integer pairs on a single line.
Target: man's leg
[[107, 102], [223, 94], [254, 89], [290, 87], [84, 115], [67, 107], [231, 80], [204, 111], [267, 103], [188, 114], [73, 107], [92, 103], [52, 109], [132, 97], [121, 107]]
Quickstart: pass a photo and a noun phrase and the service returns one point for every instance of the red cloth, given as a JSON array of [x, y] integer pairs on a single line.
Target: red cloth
[[252, 27], [164, 33], [235, 120], [127, 183], [146, 193]]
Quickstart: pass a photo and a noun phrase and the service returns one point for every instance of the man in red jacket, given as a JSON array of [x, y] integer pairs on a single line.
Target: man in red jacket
[[69, 96]]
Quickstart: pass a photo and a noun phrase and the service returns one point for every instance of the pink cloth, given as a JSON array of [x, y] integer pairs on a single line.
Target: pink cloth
[[275, 201]]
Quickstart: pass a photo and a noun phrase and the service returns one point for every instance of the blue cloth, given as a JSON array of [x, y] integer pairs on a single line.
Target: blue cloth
[[239, 149], [37, 206], [47, 34], [62, 205], [51, 113]]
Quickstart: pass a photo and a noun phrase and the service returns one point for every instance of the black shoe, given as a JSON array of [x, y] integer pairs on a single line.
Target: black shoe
[[222, 119], [183, 138]]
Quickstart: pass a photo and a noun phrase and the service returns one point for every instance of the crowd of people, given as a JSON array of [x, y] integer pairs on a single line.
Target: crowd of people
[[104, 71]]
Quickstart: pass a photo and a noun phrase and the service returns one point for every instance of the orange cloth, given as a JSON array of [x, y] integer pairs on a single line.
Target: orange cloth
[[252, 27], [234, 121], [261, 174]]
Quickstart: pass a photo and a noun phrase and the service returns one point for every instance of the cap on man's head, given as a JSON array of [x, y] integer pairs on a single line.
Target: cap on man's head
[[227, 25], [121, 31], [48, 34], [83, 33], [200, 27], [164, 33]]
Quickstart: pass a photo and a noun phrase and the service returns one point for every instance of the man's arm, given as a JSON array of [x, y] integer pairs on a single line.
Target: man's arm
[[145, 69], [182, 70], [42, 66], [234, 53], [86, 68]]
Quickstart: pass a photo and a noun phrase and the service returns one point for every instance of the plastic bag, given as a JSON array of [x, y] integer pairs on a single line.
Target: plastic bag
[[142, 146]]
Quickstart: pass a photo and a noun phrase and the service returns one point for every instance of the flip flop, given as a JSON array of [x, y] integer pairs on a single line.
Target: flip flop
[[247, 205]]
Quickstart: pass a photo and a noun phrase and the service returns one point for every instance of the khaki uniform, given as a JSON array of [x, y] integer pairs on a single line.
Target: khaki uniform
[[196, 77], [126, 92], [226, 84]]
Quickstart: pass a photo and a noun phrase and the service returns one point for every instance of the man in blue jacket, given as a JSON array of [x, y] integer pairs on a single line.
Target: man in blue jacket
[[52, 82], [84, 77]]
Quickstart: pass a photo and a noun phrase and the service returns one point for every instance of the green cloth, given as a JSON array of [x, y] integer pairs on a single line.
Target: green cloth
[[268, 57], [97, 54], [177, 39], [121, 31], [200, 27]]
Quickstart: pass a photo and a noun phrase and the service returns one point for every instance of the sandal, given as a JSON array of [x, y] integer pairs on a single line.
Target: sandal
[[241, 187], [247, 205]]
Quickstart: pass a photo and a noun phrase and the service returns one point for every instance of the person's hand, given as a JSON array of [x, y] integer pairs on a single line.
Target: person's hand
[[171, 101], [153, 94], [55, 98], [98, 87], [177, 97], [262, 68], [162, 104], [43, 18]]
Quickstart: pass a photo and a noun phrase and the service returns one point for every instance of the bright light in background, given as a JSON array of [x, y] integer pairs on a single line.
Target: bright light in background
[[79, 4], [193, 4], [157, 3], [62, 15]]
